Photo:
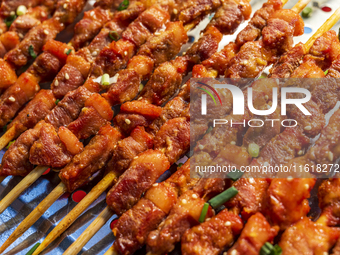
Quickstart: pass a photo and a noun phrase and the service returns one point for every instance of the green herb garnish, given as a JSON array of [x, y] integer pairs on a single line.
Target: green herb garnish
[[57, 101], [114, 36], [180, 164], [9, 20], [223, 197], [204, 212], [235, 175], [31, 52], [326, 72], [30, 252], [123, 5], [9, 144], [269, 249], [68, 52]]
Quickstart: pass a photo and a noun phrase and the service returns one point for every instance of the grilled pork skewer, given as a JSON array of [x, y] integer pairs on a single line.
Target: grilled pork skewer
[[174, 29], [78, 65], [9, 8]]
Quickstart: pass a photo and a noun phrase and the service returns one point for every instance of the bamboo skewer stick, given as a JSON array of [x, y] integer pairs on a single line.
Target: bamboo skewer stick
[[111, 251], [95, 192], [35, 215], [300, 6], [7, 137], [22, 185], [93, 228], [325, 27]]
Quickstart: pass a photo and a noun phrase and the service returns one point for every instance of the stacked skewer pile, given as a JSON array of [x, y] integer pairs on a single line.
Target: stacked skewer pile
[[119, 46]]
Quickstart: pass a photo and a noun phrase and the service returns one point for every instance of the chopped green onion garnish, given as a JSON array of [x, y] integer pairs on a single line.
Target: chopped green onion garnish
[[253, 150], [30, 252], [4, 128], [223, 197], [180, 164], [307, 12], [209, 129], [235, 175], [262, 76], [9, 144], [326, 72], [141, 86], [21, 10], [114, 35], [123, 5], [203, 212], [68, 52], [9, 20], [57, 101], [105, 79], [269, 249], [31, 51]]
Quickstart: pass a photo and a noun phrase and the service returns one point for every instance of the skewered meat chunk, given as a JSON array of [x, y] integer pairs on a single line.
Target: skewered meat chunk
[[157, 49], [48, 150], [98, 151], [328, 195], [259, 20], [254, 235], [127, 149], [136, 113], [115, 57], [87, 124], [68, 79], [93, 116], [16, 96], [190, 10], [277, 38], [8, 76], [212, 236], [288, 62], [69, 108], [16, 159], [141, 219], [307, 237], [25, 88], [184, 215], [129, 238], [220, 59], [90, 25], [34, 111], [172, 109], [326, 49], [32, 18], [8, 41], [142, 173], [284, 208], [230, 15], [173, 138], [47, 30]]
